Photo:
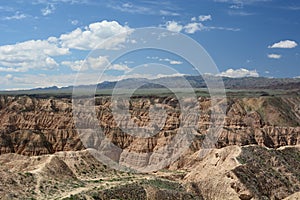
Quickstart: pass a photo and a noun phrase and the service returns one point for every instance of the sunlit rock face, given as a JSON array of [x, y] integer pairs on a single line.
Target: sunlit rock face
[[36, 126]]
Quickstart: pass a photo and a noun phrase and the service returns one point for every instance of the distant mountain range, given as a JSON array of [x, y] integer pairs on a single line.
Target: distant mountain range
[[180, 82]]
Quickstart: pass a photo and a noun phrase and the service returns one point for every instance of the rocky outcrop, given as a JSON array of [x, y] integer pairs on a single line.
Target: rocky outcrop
[[249, 172], [269, 173], [78, 175], [36, 126], [251, 160], [31, 126]]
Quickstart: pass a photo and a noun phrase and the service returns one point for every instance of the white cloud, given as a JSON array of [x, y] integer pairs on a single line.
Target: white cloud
[[27, 81], [239, 13], [100, 63], [90, 63], [175, 62], [203, 18], [221, 28], [148, 8], [172, 62], [6, 9], [286, 44], [74, 22], [238, 73], [274, 56], [249, 2], [76, 65], [94, 35], [16, 16], [60, 1], [5, 80], [8, 76], [31, 54], [119, 67], [236, 6], [174, 26], [39, 54], [153, 57], [193, 27], [130, 8], [168, 13], [48, 10], [133, 41]]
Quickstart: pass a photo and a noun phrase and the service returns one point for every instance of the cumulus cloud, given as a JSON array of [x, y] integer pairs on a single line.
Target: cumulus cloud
[[100, 63], [203, 18], [174, 26], [274, 56], [188, 28], [94, 35], [193, 27], [48, 10], [40, 54], [90, 63], [31, 54], [238, 73], [284, 44]]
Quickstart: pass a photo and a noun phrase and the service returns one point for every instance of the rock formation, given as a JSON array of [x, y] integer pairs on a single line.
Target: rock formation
[[255, 154], [36, 126]]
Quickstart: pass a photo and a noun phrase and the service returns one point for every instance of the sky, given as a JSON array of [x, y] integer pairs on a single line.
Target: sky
[[48, 43]]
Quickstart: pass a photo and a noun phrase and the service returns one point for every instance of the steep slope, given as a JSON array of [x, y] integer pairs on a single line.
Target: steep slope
[[41, 150], [36, 126], [67, 175], [249, 172]]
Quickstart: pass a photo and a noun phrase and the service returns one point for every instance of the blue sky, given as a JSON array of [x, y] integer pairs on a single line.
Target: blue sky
[[44, 43]]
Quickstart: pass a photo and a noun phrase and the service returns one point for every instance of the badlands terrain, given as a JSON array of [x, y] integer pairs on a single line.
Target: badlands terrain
[[256, 155]]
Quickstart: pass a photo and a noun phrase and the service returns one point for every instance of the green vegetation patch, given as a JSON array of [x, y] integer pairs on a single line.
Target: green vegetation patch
[[269, 173], [164, 184]]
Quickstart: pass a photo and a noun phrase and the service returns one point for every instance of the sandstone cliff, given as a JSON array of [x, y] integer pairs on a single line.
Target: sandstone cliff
[[36, 126], [41, 149]]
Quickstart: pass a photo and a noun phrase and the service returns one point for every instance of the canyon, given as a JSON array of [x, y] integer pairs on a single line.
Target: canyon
[[255, 155]]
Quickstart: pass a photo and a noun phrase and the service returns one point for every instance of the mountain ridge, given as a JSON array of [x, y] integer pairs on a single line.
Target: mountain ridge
[[178, 82]]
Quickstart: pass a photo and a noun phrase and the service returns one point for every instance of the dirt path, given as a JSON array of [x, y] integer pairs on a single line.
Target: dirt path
[[104, 184], [38, 172]]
